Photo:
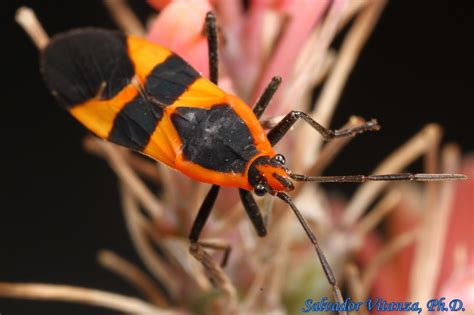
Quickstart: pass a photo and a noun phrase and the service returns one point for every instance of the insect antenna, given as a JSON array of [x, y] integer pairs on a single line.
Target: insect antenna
[[324, 263], [386, 177]]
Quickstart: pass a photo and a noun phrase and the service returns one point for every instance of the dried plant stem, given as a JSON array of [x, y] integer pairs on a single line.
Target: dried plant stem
[[310, 62], [170, 191], [217, 276], [346, 59], [53, 292], [254, 293], [267, 209], [149, 170], [145, 168], [319, 77], [27, 19], [279, 241], [431, 243], [130, 178], [312, 12], [196, 198], [355, 285], [352, 8], [234, 214], [387, 253], [378, 213], [332, 89], [124, 17], [179, 250], [135, 224], [395, 162], [133, 275]]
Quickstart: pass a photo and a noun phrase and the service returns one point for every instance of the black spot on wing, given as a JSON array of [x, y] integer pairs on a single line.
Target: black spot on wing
[[135, 123], [76, 63], [170, 79], [217, 139]]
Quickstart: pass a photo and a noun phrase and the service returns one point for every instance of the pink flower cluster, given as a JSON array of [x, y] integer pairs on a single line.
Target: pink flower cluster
[[261, 41]]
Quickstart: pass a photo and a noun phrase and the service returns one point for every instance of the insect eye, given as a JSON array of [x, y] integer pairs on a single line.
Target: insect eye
[[280, 159], [260, 190]]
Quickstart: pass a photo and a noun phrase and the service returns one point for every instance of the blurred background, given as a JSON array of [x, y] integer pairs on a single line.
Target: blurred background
[[56, 199]]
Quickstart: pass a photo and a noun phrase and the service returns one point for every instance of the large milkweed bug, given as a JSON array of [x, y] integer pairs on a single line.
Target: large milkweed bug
[[144, 97]]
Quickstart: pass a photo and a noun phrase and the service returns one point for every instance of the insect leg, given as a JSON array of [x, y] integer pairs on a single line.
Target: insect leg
[[203, 213], [253, 212], [198, 225], [324, 263], [212, 46], [277, 132], [266, 96], [226, 248]]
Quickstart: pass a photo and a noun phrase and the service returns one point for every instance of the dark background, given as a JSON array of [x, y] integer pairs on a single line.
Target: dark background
[[60, 205]]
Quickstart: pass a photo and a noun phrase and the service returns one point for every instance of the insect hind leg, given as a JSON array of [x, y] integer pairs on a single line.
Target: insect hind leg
[[213, 59], [212, 44]]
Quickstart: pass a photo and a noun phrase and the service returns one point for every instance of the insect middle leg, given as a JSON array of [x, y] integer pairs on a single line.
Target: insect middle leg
[[264, 99], [277, 132], [203, 213]]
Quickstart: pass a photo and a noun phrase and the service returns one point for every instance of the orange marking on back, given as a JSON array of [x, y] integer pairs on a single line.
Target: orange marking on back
[[99, 115], [164, 144], [202, 174], [145, 55], [202, 93]]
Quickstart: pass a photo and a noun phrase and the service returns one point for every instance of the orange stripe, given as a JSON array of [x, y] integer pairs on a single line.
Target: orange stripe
[[99, 115], [165, 143], [145, 55]]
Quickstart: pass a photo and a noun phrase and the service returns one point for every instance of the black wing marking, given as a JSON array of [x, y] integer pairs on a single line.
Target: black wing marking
[[76, 64]]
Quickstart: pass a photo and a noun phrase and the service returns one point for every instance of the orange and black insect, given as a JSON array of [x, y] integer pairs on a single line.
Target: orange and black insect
[[144, 97]]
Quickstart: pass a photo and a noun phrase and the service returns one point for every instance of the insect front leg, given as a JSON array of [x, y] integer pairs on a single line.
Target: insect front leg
[[277, 132], [322, 258], [253, 212]]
